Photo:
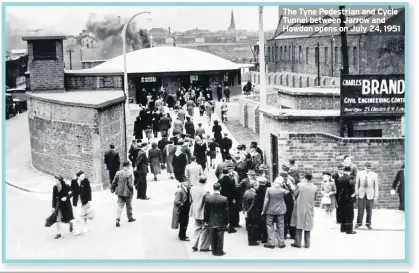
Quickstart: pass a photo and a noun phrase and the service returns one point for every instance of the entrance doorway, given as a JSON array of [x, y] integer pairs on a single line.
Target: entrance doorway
[[274, 159], [147, 83]]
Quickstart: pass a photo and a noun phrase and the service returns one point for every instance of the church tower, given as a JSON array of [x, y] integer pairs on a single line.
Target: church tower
[[232, 26]]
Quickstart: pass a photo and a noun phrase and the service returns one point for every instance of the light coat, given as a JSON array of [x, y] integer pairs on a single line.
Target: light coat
[[198, 195], [181, 196], [274, 203], [303, 213], [366, 184], [192, 172]]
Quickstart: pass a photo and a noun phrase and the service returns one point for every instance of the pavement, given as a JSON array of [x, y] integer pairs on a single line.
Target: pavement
[[151, 237]]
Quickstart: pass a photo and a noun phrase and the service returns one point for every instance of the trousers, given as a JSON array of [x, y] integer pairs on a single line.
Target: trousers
[[289, 202], [183, 221], [347, 216], [252, 229], [298, 237], [201, 236], [277, 221], [142, 186], [217, 240], [364, 204], [122, 201], [112, 174]]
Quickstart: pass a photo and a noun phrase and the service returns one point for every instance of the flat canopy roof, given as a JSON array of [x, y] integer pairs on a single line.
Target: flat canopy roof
[[33, 38], [309, 91], [163, 59], [88, 98]]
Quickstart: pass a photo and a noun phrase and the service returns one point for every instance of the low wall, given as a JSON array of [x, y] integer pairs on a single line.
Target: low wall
[[294, 79], [81, 82], [318, 152]]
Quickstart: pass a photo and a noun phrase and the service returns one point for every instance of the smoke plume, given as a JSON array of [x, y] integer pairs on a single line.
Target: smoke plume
[[108, 35]]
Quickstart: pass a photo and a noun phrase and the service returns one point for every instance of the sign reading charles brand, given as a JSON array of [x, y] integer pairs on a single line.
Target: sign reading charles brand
[[375, 95]]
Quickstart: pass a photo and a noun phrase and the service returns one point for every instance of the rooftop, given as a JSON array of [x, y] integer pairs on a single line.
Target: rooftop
[[164, 59], [34, 38], [88, 98]]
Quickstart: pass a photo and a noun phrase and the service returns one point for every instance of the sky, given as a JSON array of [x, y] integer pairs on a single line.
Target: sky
[[71, 20]]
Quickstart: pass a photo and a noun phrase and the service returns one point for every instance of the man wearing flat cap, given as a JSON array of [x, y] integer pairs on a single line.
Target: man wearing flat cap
[[255, 156], [225, 146], [346, 199], [141, 171], [366, 190]]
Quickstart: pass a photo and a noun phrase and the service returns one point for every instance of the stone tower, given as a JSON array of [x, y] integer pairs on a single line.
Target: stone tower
[[232, 26]]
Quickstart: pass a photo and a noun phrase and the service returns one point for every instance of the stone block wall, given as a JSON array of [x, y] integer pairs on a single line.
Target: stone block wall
[[306, 102], [79, 82], [46, 75], [296, 80], [315, 153], [66, 139]]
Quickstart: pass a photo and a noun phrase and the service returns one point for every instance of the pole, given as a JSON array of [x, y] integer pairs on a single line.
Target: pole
[[331, 54], [345, 63], [318, 64], [71, 62], [262, 59], [124, 52]]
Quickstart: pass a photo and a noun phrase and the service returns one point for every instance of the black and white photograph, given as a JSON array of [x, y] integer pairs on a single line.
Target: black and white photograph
[[178, 133]]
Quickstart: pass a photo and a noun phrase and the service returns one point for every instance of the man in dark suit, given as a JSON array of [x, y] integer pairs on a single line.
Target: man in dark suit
[[216, 217], [346, 197], [252, 213], [112, 162], [398, 186], [228, 189], [219, 92], [141, 173], [225, 146]]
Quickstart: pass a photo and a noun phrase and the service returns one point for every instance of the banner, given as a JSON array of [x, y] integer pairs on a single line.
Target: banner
[[372, 95]]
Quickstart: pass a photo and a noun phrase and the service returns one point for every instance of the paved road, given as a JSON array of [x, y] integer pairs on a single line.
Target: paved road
[[151, 237]]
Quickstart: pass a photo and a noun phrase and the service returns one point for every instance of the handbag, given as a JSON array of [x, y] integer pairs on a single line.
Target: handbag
[[90, 211], [326, 200], [52, 218]]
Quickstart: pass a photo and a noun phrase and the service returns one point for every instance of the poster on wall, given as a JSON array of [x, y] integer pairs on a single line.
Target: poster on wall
[[372, 95]]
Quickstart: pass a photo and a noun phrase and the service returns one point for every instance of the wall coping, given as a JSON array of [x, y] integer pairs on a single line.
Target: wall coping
[[281, 114], [287, 135], [88, 73], [309, 91], [86, 99]]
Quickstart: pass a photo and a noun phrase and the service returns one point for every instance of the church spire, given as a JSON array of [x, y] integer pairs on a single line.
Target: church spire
[[232, 26]]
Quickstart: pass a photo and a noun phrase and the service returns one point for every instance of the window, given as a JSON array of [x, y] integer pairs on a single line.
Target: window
[[44, 50], [285, 53], [355, 56], [368, 133], [194, 78], [300, 54], [280, 53], [307, 55], [276, 54], [226, 77], [316, 55], [290, 56], [336, 55], [326, 54], [294, 50], [148, 79]]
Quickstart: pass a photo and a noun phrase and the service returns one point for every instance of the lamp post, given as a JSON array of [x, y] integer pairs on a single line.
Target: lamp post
[[124, 52]]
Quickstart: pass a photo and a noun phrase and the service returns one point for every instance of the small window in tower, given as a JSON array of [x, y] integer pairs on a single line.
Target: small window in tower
[[148, 79], [44, 50]]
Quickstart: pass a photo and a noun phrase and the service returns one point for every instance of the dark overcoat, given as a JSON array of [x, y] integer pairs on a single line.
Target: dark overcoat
[[63, 206]]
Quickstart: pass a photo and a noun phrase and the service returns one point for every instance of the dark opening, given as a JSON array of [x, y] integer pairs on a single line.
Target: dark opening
[[368, 133], [44, 50]]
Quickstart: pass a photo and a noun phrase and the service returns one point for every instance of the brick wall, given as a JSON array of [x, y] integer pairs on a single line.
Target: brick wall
[[111, 130], [78, 82], [66, 139], [316, 153], [374, 56], [286, 78], [306, 101], [46, 74], [390, 127]]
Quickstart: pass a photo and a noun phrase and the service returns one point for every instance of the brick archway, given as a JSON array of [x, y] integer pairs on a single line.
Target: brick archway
[[281, 80], [308, 82], [287, 83], [257, 120], [300, 81], [293, 80], [315, 81], [323, 81], [333, 82]]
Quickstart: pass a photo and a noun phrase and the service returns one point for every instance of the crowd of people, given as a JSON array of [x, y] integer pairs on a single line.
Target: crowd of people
[[165, 138]]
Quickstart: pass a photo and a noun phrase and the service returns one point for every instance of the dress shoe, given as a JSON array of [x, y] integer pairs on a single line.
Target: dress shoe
[[185, 239], [132, 220], [283, 246], [238, 226], [58, 236], [221, 254], [205, 250], [71, 227], [307, 246], [351, 232], [269, 246], [117, 223], [296, 246], [264, 241], [145, 198], [254, 244], [232, 230], [194, 248], [357, 226]]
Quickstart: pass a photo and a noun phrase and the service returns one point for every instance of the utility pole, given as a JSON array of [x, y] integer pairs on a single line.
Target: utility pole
[[345, 63], [318, 64], [71, 63], [262, 67]]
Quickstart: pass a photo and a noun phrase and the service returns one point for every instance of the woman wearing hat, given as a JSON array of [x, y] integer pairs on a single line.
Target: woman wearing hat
[[61, 205], [212, 151], [200, 149], [328, 202]]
